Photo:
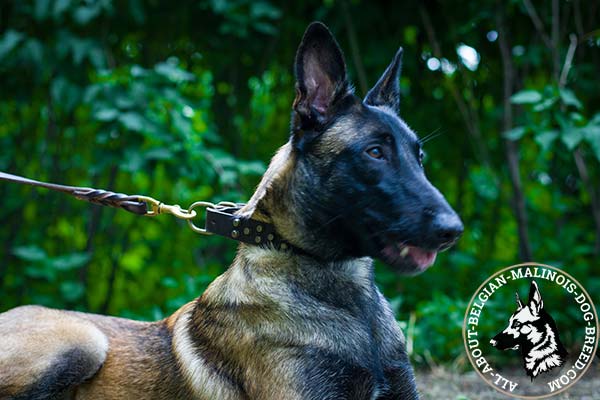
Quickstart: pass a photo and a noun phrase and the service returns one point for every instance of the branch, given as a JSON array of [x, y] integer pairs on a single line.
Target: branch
[[568, 61], [555, 37], [360, 69], [537, 22]]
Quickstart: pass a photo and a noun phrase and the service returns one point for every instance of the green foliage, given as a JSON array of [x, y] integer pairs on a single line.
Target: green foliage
[[188, 100]]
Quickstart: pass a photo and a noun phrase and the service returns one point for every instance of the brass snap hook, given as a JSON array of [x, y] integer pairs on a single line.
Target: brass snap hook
[[157, 207]]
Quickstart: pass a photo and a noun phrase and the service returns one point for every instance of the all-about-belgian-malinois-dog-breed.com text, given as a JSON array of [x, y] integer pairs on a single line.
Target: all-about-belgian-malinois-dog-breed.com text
[[302, 322]]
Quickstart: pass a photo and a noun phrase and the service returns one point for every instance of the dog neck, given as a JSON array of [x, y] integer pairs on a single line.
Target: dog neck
[[259, 274], [282, 199]]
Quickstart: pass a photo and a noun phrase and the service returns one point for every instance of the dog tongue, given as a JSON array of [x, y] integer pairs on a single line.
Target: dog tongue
[[422, 258]]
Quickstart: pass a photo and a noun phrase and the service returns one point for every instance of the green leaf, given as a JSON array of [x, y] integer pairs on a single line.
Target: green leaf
[[546, 104], [265, 27], [515, 133], [484, 183], [577, 118], [65, 93], [69, 261], [84, 14], [132, 161], [260, 9], [60, 6], [595, 119], [30, 253], [72, 290], [592, 136], [569, 98], [9, 41], [546, 138], [97, 57], [80, 49], [132, 121], [138, 72], [571, 137], [136, 8], [33, 50], [106, 114], [158, 153], [41, 9], [40, 271], [526, 97], [124, 102], [169, 282], [172, 72], [251, 167]]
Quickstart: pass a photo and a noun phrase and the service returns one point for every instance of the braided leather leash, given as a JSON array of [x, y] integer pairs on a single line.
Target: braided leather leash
[[102, 197]]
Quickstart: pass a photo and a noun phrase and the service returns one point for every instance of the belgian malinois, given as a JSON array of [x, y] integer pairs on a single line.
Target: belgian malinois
[[305, 322]]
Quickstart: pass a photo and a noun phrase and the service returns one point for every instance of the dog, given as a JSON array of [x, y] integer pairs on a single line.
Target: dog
[[302, 322], [532, 330]]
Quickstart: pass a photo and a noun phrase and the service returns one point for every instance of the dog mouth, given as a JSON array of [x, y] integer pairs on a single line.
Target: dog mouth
[[410, 259]]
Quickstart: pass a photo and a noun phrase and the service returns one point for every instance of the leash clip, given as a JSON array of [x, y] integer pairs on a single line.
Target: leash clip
[[157, 207]]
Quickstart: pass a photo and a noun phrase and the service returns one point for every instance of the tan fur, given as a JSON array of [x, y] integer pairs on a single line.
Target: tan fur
[[337, 138], [31, 337]]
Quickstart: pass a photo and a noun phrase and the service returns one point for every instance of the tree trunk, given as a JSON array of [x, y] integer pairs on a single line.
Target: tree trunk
[[510, 146]]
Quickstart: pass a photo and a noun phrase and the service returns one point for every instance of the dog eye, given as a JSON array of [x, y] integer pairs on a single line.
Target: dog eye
[[375, 152], [421, 157]]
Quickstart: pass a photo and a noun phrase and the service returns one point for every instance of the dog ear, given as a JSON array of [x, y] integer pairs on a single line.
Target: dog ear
[[386, 91], [320, 78], [520, 304], [535, 299]]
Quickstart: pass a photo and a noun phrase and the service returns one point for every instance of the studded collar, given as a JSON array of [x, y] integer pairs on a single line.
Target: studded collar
[[223, 221]]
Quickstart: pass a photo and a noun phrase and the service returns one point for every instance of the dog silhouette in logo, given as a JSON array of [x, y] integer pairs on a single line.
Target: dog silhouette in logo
[[532, 330]]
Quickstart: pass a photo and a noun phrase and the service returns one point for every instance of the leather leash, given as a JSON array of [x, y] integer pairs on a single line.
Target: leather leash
[[220, 218], [102, 197]]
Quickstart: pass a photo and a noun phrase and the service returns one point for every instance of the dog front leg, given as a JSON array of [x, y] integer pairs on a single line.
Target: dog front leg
[[401, 381]]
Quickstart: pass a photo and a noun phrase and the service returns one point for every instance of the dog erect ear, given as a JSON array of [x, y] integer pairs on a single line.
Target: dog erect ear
[[386, 91], [535, 299], [520, 304], [320, 77]]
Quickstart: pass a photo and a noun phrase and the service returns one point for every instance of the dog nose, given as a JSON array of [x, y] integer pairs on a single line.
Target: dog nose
[[493, 342], [447, 227]]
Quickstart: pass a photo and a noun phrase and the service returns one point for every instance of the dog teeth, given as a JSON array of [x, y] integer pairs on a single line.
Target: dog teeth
[[404, 252]]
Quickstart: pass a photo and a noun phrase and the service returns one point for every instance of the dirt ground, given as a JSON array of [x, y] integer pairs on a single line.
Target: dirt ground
[[443, 384]]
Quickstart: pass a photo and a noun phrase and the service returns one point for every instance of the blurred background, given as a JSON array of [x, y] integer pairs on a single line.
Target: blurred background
[[187, 100]]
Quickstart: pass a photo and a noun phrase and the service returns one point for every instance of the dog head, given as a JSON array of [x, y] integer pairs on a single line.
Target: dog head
[[351, 183], [525, 325]]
